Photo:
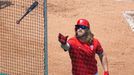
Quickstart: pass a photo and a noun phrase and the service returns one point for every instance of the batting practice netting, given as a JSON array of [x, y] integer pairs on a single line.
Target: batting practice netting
[[22, 44]]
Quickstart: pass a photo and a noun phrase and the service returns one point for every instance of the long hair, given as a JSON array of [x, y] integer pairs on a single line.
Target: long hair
[[88, 36]]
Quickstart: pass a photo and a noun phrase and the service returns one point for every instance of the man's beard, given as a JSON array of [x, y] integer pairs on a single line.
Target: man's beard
[[80, 36], [88, 36]]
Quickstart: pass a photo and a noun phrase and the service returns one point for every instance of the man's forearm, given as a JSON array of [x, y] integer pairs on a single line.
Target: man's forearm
[[66, 47], [104, 61]]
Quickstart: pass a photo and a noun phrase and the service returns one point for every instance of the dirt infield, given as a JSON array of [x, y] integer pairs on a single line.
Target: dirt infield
[[107, 23]]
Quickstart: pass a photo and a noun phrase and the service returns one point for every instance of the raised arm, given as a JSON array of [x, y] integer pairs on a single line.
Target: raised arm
[[63, 40]]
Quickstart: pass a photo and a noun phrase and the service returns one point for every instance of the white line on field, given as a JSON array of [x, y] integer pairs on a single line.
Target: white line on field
[[129, 16]]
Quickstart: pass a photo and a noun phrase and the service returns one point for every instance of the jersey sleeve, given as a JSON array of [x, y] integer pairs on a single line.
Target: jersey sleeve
[[71, 42], [99, 49]]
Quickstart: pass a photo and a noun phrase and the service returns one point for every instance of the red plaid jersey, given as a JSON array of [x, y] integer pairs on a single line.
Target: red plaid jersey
[[83, 56]]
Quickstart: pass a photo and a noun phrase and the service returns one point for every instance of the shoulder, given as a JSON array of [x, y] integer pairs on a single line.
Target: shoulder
[[96, 41], [99, 49], [72, 40]]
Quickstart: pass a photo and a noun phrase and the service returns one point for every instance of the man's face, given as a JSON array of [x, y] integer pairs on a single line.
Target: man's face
[[80, 30]]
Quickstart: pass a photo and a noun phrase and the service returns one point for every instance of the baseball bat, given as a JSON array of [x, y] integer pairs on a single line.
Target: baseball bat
[[28, 11]]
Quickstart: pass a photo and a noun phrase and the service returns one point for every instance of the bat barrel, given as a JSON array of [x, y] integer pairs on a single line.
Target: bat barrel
[[33, 6]]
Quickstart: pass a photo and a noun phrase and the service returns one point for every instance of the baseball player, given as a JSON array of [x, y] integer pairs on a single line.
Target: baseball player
[[82, 49]]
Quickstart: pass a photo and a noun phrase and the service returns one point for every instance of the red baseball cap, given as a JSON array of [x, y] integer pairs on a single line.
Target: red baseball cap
[[83, 22]]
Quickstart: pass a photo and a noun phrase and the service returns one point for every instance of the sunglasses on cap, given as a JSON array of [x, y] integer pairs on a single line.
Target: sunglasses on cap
[[81, 26]]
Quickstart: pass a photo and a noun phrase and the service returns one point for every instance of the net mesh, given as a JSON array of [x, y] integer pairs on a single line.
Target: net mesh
[[21, 45]]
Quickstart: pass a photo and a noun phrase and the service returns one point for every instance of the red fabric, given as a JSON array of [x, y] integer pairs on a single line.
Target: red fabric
[[83, 22], [106, 73], [83, 56]]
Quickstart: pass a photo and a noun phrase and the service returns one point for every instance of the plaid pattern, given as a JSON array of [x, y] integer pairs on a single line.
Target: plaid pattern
[[83, 56]]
